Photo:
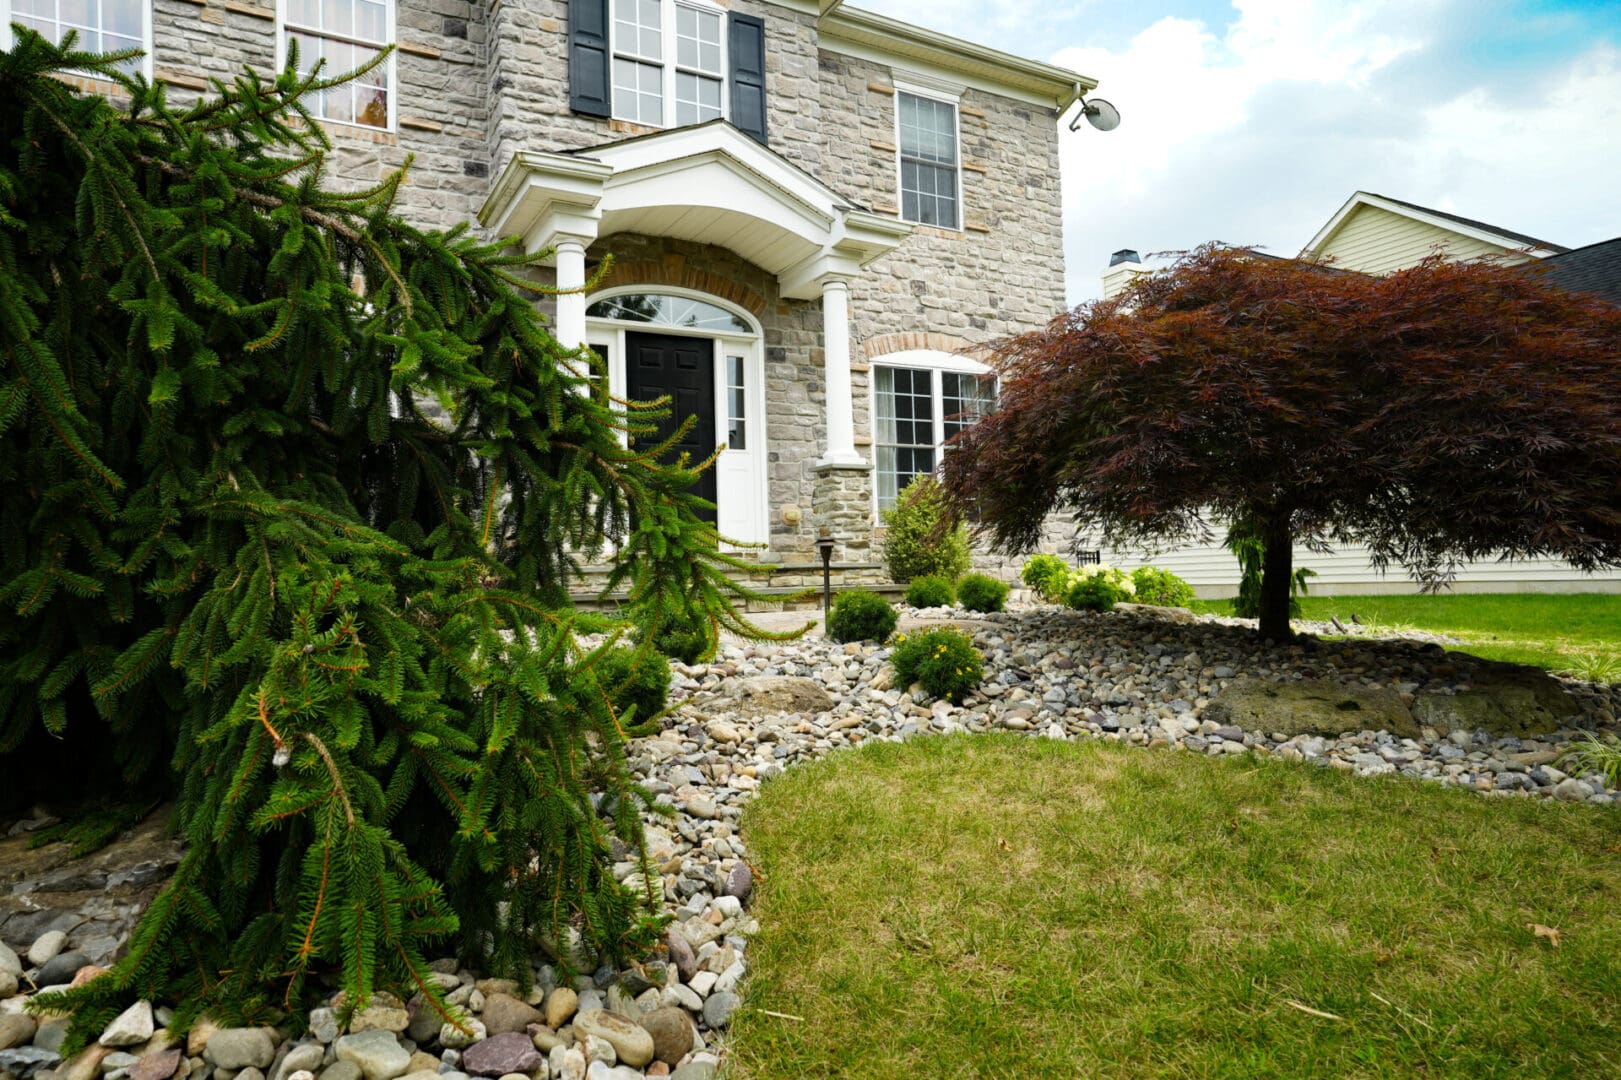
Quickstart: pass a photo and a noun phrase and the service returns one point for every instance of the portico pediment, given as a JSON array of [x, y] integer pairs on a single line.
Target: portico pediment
[[709, 184]]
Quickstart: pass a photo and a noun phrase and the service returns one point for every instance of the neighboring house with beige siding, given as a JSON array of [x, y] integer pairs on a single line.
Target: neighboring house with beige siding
[[1375, 234], [1380, 235]]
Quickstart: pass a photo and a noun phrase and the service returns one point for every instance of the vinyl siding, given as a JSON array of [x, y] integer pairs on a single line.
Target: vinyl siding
[[1213, 571], [1376, 241]]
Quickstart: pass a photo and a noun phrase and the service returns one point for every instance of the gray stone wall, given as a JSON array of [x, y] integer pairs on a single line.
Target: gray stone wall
[[527, 84], [1004, 272], [439, 86]]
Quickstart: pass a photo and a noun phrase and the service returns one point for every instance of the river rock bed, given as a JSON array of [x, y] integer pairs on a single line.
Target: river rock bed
[[1151, 678]]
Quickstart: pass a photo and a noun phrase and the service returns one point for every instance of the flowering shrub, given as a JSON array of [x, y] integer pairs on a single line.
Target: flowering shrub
[[979, 592], [931, 590], [944, 661], [1048, 575], [859, 615], [1156, 585], [1098, 588]]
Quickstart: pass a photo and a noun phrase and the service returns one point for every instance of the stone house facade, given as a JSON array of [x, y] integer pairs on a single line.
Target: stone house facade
[[798, 219]]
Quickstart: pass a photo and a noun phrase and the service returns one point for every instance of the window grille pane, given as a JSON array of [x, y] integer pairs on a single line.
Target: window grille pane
[[76, 13], [928, 136], [338, 16], [371, 22], [638, 92], [696, 98], [965, 399], [736, 405], [904, 402], [697, 39]]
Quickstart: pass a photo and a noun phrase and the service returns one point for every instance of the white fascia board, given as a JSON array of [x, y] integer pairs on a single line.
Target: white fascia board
[[534, 181], [1364, 198], [878, 38], [715, 180], [707, 140]]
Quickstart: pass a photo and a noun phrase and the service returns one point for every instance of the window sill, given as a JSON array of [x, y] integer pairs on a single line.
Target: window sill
[[628, 127], [344, 130]]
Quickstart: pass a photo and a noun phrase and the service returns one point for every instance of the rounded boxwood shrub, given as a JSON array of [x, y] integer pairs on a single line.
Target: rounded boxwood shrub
[[1098, 588], [1156, 585], [930, 590], [682, 638], [644, 685], [981, 592], [915, 544], [859, 615], [944, 661], [1048, 575]]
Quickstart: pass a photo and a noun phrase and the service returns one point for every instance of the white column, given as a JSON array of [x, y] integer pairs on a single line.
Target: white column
[[570, 328], [841, 424]]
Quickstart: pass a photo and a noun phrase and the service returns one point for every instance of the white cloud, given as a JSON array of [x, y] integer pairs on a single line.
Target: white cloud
[[1257, 133]]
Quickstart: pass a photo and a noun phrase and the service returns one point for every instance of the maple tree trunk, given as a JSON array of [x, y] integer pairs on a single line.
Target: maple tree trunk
[[1277, 573]]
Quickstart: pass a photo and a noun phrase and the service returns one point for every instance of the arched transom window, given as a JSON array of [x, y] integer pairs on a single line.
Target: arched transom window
[[662, 309]]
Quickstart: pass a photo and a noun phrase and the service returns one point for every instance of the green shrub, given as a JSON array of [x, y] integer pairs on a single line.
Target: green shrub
[[980, 592], [944, 661], [1156, 585], [1098, 588], [643, 686], [859, 615], [682, 639], [912, 547], [930, 590], [1048, 575]]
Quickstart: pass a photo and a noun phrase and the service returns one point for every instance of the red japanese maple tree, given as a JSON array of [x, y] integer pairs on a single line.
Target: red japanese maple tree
[[1449, 412]]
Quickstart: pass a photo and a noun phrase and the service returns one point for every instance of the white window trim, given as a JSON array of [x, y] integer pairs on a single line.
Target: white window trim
[[147, 47], [667, 62], [390, 32], [932, 93], [936, 364]]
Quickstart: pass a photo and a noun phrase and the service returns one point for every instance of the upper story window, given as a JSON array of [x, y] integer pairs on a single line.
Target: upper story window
[[103, 26], [929, 165], [669, 62], [347, 34], [919, 401]]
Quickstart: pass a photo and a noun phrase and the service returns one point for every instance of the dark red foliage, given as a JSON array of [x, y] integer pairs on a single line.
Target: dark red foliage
[[1447, 412]]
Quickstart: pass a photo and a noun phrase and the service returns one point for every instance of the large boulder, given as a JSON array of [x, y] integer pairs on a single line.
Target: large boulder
[[762, 695], [1504, 699], [1311, 707]]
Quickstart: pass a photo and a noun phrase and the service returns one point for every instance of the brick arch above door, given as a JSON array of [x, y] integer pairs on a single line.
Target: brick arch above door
[[674, 269]]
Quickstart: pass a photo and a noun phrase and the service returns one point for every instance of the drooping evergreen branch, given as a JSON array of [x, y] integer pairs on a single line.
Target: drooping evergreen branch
[[243, 566]]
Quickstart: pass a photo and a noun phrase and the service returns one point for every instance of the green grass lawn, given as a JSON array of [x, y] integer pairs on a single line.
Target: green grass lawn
[[1550, 631], [1003, 906]]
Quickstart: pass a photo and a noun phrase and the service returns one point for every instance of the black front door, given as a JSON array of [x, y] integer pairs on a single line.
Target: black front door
[[683, 368]]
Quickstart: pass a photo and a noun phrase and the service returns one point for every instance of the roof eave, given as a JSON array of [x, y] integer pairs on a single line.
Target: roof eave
[[868, 28]]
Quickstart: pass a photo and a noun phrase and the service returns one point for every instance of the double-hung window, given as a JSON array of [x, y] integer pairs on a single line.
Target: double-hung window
[[347, 34], [929, 164], [669, 62], [102, 26], [916, 411]]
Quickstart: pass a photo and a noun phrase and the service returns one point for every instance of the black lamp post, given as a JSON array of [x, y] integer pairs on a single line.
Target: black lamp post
[[824, 544]]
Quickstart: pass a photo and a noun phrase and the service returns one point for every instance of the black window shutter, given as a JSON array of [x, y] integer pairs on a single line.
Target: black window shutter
[[589, 88], [747, 47]]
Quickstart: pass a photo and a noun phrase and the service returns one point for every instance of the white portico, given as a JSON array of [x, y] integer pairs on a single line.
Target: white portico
[[708, 184]]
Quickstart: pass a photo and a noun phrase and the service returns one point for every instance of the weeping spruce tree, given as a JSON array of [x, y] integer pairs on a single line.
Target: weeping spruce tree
[[240, 565]]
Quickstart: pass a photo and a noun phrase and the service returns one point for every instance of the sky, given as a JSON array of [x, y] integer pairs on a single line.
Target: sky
[[1251, 122]]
